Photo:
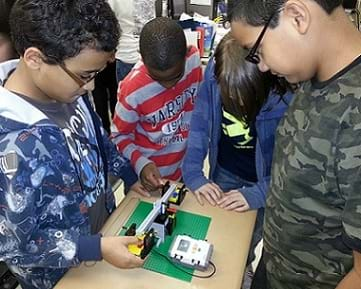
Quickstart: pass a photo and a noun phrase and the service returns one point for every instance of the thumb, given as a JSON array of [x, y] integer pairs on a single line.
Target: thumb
[[231, 192], [130, 240], [162, 181], [154, 180]]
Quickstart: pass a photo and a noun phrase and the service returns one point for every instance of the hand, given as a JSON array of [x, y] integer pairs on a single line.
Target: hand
[[150, 177], [233, 201], [211, 192], [139, 188], [115, 251]]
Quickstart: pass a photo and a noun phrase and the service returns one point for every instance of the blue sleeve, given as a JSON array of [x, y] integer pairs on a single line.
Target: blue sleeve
[[41, 206], [117, 164], [34, 199], [198, 139], [256, 195], [89, 248]]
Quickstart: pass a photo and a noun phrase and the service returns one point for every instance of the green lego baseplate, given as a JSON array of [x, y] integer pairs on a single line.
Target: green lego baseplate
[[187, 223]]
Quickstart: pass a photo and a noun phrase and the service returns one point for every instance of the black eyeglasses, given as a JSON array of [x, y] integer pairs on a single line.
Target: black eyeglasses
[[252, 56]]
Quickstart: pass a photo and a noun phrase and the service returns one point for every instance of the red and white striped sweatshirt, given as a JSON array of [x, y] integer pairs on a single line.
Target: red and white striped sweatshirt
[[151, 123]]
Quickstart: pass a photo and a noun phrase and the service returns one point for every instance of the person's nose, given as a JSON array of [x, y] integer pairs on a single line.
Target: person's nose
[[263, 66], [90, 85]]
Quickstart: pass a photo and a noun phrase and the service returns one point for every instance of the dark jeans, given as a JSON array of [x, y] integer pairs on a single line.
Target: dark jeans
[[229, 181], [105, 94], [260, 276], [123, 69]]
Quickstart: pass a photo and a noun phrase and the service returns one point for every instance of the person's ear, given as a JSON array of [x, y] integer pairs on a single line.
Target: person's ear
[[299, 15], [33, 58]]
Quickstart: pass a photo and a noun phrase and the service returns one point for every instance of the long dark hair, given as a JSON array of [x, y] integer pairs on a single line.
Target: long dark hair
[[243, 87]]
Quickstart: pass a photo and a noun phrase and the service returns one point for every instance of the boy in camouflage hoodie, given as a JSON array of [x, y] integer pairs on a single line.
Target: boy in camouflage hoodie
[[312, 229]]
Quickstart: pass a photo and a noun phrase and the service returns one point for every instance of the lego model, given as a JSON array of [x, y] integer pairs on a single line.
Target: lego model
[[159, 223]]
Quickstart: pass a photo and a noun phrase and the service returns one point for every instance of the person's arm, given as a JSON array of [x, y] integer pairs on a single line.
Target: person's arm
[[32, 197], [125, 121], [198, 142], [353, 279], [348, 172], [254, 197], [35, 199], [198, 139]]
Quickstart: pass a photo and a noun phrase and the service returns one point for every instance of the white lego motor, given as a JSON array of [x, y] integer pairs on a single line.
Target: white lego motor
[[191, 252]]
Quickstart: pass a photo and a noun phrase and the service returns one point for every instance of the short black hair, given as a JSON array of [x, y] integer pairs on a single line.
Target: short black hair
[[162, 43], [258, 12], [60, 29]]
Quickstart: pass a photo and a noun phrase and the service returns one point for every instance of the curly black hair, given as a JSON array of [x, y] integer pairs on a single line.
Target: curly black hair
[[60, 29], [162, 43]]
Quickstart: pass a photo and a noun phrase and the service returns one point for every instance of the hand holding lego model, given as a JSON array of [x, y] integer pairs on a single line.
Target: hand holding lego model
[[211, 192], [150, 177], [115, 251], [233, 201]]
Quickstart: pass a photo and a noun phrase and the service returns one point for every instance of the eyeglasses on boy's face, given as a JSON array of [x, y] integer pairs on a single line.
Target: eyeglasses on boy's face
[[80, 81], [253, 56]]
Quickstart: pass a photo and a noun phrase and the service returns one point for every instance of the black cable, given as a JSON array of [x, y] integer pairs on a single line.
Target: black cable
[[184, 271]]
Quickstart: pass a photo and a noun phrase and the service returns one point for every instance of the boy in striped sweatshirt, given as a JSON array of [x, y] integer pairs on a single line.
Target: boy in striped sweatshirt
[[155, 102]]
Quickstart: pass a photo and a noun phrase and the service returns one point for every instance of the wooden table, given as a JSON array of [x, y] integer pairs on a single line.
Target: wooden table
[[230, 233]]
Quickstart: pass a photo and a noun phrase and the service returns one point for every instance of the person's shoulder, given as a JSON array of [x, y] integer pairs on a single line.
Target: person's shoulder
[[347, 86], [192, 50], [352, 75], [135, 86], [193, 62], [341, 85], [193, 54], [136, 79]]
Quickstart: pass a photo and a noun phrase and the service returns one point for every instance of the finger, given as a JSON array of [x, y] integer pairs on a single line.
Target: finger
[[153, 180], [207, 196], [227, 201], [144, 183], [234, 206], [142, 191], [130, 240], [148, 187], [199, 198], [217, 190], [241, 209], [232, 192], [162, 181], [135, 261], [212, 193]]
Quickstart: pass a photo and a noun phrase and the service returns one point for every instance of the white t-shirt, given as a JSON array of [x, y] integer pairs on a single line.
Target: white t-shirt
[[132, 15]]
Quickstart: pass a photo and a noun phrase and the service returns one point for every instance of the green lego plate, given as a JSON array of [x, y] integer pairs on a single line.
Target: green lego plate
[[186, 224]]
